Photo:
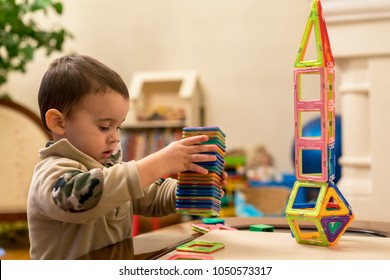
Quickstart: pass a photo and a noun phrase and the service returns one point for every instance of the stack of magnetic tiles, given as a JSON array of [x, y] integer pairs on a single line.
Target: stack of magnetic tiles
[[200, 194]]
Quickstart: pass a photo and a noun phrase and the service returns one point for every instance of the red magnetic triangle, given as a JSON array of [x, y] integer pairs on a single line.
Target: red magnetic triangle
[[327, 50]]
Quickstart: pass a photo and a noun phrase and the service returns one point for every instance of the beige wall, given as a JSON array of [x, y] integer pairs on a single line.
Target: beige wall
[[244, 51]]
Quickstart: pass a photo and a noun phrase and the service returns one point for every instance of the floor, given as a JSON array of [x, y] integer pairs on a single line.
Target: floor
[[15, 249], [14, 242]]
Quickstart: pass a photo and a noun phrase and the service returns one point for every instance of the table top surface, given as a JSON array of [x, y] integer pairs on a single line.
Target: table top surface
[[162, 243]]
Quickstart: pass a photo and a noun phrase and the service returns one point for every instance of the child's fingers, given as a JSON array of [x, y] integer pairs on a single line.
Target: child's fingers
[[194, 140], [202, 149], [203, 157], [196, 168]]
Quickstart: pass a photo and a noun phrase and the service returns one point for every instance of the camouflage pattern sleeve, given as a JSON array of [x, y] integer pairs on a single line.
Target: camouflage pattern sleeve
[[78, 191], [159, 199]]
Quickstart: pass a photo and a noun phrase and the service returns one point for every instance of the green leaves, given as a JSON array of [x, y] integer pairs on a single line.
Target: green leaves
[[45, 5], [21, 36]]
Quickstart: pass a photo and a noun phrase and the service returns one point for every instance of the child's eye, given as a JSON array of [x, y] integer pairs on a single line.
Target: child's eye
[[104, 128]]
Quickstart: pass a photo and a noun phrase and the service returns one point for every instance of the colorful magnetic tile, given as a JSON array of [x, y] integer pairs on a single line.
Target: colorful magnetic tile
[[206, 212], [212, 164], [213, 221], [200, 194], [199, 189], [188, 181], [261, 227], [334, 227], [203, 128], [332, 196], [196, 176], [215, 141], [197, 212], [225, 227], [327, 50], [216, 197], [179, 257], [325, 208], [313, 237], [197, 205], [204, 228], [201, 246], [200, 199], [320, 187], [315, 22], [336, 189]]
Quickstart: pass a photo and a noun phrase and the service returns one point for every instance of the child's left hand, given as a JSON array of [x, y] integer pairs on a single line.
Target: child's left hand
[[224, 179]]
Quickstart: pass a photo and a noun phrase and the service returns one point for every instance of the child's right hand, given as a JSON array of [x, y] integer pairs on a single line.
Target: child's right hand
[[178, 156], [182, 154]]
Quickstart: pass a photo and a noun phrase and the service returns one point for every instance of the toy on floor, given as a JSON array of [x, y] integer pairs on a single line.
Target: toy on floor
[[200, 194], [327, 209]]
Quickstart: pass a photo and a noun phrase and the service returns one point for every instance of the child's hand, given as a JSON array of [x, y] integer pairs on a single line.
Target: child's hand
[[178, 156], [183, 154], [224, 179]]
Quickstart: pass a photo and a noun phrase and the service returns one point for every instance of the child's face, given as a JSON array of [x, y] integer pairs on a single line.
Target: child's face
[[94, 126]]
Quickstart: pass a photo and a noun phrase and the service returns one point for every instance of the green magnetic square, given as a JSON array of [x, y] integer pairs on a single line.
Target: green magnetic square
[[261, 227], [213, 221]]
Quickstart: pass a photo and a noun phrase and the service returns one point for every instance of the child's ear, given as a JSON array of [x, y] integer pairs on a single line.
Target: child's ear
[[55, 121]]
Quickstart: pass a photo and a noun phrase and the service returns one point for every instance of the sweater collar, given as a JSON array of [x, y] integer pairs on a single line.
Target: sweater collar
[[63, 148]]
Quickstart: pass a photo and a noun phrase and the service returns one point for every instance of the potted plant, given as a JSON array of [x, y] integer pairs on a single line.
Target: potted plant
[[21, 36]]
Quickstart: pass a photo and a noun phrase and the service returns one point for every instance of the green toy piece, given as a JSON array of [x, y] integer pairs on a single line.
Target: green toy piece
[[261, 227], [213, 221], [201, 247]]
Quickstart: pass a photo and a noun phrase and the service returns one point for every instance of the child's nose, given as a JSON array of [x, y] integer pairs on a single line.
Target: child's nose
[[114, 137]]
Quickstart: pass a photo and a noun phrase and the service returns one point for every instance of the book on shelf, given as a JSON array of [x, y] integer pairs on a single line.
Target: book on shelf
[[137, 144]]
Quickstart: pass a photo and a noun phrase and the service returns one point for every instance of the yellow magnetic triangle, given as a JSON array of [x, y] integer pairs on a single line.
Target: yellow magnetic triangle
[[333, 205], [316, 25]]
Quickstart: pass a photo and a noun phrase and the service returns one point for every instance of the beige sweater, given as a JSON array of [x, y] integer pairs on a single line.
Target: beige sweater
[[77, 205]]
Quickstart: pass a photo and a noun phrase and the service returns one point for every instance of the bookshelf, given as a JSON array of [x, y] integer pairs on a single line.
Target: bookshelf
[[161, 104]]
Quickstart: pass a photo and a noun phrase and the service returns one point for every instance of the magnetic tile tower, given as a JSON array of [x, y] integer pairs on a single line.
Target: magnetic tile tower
[[325, 210]]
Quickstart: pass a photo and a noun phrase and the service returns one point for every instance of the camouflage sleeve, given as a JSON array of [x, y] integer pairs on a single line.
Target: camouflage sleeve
[[78, 191], [159, 199]]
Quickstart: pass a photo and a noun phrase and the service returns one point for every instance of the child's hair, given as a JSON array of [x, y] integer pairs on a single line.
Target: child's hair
[[71, 78]]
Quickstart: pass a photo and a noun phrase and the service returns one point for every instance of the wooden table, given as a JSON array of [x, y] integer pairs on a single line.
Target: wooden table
[[160, 244]]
